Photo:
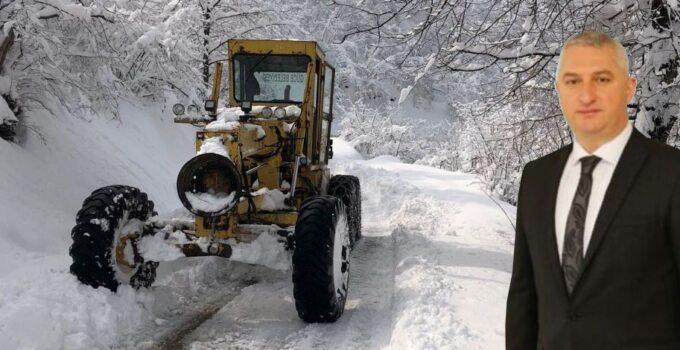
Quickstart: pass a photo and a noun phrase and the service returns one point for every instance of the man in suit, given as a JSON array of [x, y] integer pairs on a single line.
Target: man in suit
[[597, 248]]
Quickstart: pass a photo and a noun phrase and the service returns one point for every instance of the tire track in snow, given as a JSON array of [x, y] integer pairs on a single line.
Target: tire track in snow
[[190, 291], [173, 338]]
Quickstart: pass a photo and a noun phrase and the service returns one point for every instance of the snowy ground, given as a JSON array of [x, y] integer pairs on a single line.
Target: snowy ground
[[431, 272]]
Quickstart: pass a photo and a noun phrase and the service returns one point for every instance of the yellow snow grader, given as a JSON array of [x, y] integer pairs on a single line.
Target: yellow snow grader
[[261, 165]]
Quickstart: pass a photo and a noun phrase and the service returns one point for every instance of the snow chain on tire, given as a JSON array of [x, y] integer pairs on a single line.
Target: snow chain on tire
[[320, 280], [97, 235], [348, 189]]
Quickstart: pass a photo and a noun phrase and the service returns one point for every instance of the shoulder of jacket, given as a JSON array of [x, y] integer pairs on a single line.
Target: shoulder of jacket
[[549, 159], [663, 155], [662, 149]]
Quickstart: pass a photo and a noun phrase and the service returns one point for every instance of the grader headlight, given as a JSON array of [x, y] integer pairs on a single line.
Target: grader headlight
[[178, 109], [267, 112], [209, 185], [280, 112]]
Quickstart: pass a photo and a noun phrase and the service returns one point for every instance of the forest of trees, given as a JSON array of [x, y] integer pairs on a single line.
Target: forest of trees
[[492, 62], [509, 49]]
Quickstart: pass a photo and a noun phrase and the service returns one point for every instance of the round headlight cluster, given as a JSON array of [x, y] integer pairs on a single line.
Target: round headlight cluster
[[192, 108], [280, 112], [178, 109], [266, 112]]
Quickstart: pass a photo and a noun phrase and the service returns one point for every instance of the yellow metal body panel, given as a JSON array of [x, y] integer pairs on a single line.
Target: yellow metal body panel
[[280, 218], [224, 226], [268, 174]]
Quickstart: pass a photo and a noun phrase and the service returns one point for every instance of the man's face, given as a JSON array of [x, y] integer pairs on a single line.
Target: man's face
[[594, 91]]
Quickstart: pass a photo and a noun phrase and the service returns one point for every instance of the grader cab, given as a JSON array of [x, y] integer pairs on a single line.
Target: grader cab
[[261, 165]]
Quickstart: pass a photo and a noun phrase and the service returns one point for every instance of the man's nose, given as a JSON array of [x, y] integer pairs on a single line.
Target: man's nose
[[587, 94]]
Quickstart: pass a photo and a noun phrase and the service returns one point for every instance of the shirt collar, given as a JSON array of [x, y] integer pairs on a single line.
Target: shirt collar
[[610, 152]]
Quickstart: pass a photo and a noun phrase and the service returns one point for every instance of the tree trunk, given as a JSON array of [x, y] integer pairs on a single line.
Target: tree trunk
[[206, 41]]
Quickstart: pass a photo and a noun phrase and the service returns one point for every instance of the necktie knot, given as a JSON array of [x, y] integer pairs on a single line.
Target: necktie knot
[[588, 164]]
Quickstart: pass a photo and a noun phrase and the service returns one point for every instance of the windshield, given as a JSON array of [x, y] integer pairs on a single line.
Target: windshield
[[269, 78]]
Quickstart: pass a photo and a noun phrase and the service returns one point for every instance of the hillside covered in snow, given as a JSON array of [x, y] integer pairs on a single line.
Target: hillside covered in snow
[[431, 271]]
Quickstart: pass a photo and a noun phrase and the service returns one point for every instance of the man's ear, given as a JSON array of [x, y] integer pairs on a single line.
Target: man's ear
[[632, 83]]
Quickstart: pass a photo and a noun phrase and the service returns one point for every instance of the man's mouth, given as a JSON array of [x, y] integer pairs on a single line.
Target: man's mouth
[[588, 112]]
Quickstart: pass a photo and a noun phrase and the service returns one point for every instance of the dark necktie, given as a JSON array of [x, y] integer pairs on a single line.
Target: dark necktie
[[572, 252]]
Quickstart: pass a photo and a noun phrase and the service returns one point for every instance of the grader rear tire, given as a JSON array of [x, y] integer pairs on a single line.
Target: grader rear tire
[[348, 189], [105, 239], [321, 260]]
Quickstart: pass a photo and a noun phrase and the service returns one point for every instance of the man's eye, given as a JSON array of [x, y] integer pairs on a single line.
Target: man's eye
[[570, 82], [603, 80]]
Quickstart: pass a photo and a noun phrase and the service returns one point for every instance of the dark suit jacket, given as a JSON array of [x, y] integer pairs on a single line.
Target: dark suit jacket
[[628, 294]]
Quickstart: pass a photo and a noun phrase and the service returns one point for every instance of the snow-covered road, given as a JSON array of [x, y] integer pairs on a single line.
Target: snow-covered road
[[431, 272]]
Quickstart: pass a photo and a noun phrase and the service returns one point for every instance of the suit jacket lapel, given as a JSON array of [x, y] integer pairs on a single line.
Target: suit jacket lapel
[[625, 172]]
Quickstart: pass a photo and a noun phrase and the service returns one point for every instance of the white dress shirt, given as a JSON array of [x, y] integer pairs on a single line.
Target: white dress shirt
[[610, 153]]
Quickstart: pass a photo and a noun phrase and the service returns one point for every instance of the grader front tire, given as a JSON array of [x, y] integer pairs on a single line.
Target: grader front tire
[[321, 260], [101, 252]]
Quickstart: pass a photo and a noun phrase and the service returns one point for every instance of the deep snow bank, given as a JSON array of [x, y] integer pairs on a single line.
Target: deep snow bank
[[42, 185], [44, 181]]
